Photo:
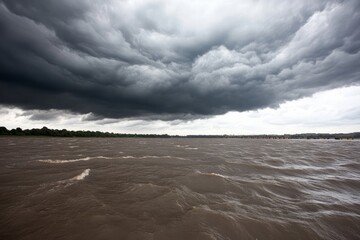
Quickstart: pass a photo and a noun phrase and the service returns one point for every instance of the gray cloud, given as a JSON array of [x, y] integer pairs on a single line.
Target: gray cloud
[[44, 115], [167, 60]]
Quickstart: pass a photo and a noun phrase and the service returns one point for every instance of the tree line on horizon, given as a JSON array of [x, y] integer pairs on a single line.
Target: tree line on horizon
[[69, 133]]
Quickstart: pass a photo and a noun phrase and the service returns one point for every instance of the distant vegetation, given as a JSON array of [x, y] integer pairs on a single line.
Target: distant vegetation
[[339, 136], [67, 133]]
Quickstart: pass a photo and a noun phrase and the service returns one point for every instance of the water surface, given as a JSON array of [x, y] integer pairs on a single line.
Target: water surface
[[116, 188]]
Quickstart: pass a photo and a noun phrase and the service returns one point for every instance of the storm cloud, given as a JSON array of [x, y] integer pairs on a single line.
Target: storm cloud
[[173, 59]]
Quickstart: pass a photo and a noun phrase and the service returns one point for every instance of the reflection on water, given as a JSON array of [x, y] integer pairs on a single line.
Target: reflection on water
[[81, 188]]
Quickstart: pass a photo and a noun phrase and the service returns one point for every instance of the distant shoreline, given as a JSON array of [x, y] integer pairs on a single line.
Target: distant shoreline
[[46, 132]]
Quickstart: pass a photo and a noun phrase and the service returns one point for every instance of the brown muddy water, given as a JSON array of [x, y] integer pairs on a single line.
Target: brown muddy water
[[99, 188]]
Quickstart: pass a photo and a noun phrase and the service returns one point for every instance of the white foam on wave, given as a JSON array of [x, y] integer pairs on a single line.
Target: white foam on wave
[[212, 174], [64, 161], [68, 182], [52, 161], [182, 146], [81, 176], [71, 160], [153, 156], [55, 186], [103, 157], [187, 147], [73, 146]]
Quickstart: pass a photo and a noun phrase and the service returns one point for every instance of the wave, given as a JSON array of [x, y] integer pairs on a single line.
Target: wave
[[207, 182], [58, 185], [152, 156], [212, 174], [73, 146], [58, 161], [187, 147], [68, 182], [71, 160], [181, 146], [81, 176]]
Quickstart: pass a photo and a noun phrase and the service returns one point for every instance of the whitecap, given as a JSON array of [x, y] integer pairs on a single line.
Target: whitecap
[[153, 156], [103, 157], [73, 146], [70, 181], [64, 161], [187, 147], [81, 176], [212, 174], [65, 183], [182, 146], [71, 160]]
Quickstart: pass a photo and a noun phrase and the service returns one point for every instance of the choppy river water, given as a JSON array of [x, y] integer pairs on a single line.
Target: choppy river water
[[119, 188]]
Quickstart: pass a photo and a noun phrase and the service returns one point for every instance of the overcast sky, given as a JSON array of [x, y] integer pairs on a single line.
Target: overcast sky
[[181, 67]]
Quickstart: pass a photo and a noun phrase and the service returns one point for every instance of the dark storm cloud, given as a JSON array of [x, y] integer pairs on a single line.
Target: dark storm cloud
[[38, 115], [166, 60]]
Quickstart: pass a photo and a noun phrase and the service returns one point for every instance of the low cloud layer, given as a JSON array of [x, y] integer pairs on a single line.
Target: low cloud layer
[[170, 59], [331, 111]]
